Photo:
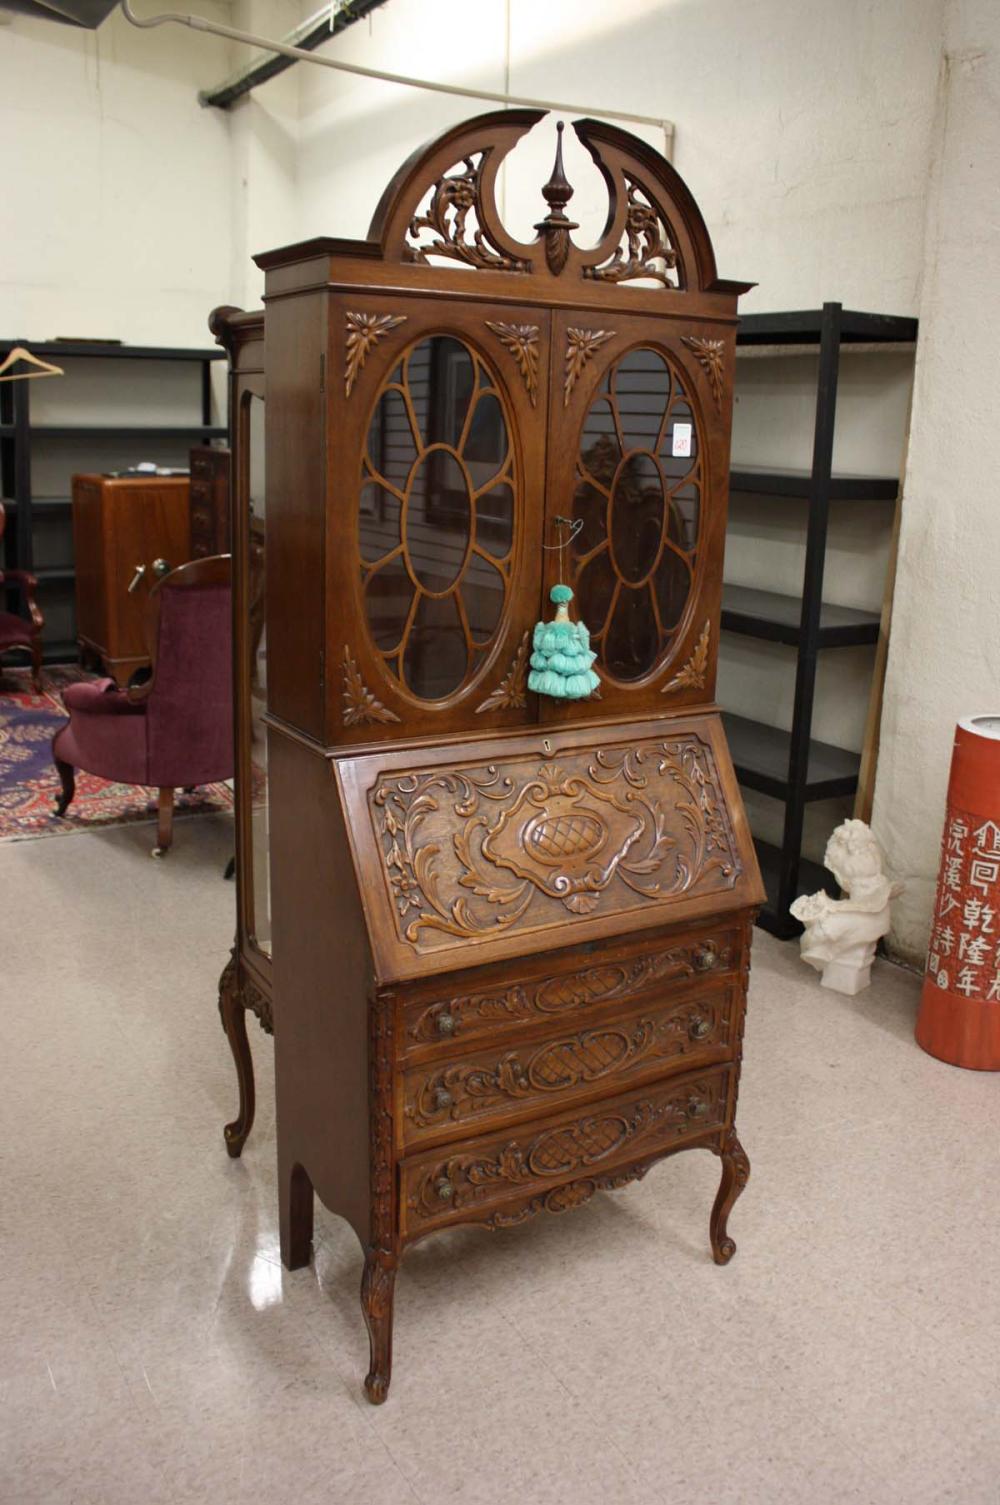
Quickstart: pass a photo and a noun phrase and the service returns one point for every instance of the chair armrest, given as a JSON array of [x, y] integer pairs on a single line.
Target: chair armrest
[[99, 697], [28, 584]]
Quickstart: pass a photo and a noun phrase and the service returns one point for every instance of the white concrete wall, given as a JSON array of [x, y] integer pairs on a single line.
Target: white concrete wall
[[944, 656]]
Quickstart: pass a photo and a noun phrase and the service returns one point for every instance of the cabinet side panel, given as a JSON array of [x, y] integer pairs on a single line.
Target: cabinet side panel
[[88, 546], [295, 428], [322, 972]]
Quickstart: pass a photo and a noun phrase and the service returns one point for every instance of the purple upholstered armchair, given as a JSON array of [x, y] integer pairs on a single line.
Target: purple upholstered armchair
[[176, 729], [17, 631]]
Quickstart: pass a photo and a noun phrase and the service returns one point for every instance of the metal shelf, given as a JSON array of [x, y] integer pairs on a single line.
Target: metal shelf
[[805, 327], [778, 619], [55, 573], [812, 876], [761, 756], [126, 431], [800, 483], [111, 351]]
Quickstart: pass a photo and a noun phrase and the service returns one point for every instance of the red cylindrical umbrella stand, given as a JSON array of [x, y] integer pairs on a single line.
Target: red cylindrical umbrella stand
[[959, 1018]]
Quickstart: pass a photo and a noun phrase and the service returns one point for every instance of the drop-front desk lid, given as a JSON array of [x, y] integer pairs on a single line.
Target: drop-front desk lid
[[513, 845]]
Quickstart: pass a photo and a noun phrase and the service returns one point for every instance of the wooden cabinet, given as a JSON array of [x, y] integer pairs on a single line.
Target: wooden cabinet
[[210, 529], [511, 934], [126, 533]]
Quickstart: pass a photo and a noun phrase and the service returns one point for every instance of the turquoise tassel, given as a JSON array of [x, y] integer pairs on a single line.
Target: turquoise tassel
[[560, 663]]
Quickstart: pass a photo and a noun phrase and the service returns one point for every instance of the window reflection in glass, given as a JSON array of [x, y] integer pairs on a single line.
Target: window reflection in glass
[[436, 517]]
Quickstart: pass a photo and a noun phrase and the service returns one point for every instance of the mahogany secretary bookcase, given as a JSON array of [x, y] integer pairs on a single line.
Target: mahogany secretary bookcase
[[511, 934]]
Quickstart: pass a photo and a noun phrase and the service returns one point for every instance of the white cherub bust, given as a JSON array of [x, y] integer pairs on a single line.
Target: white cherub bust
[[841, 934]]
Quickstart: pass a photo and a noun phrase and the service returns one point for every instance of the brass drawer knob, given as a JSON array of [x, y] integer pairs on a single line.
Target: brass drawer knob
[[699, 1028], [442, 1098], [697, 1108], [444, 1189], [446, 1024], [706, 958]]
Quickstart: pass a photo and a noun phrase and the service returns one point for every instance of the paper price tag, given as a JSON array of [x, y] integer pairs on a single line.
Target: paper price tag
[[681, 445]]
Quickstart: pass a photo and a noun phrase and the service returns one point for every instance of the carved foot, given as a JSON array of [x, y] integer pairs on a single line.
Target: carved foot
[[234, 1022], [295, 1217], [378, 1285], [735, 1175]]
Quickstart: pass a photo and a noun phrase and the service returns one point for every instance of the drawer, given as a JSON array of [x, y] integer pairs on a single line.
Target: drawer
[[202, 518], [571, 990], [464, 1183], [202, 465], [474, 1090]]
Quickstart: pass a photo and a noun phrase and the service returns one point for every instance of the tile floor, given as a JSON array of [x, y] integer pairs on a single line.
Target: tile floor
[[152, 1349]]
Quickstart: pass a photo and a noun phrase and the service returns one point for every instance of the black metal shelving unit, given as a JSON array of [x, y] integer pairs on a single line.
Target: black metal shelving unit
[[20, 438], [791, 765]]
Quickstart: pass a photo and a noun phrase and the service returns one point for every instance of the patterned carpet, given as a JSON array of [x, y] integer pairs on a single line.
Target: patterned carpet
[[29, 784]]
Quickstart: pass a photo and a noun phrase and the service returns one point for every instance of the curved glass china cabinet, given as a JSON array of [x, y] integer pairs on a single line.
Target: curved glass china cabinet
[[510, 933]]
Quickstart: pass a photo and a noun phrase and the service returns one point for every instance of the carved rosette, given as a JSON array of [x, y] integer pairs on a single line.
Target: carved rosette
[[566, 1198], [360, 705], [710, 354], [511, 694], [551, 997], [471, 852], [580, 347], [648, 250], [683, 1110], [455, 1093], [522, 342], [363, 333], [694, 674]]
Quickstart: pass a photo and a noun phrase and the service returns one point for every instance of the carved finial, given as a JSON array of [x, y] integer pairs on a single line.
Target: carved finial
[[555, 227]]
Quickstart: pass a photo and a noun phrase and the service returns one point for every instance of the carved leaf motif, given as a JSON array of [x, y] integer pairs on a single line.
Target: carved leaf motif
[[692, 676], [454, 197], [511, 694], [580, 347], [363, 333], [522, 342], [360, 705], [649, 252], [711, 354]]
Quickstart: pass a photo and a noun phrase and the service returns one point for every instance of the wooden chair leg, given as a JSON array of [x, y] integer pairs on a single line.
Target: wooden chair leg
[[234, 1022], [36, 664], [164, 822], [67, 778]]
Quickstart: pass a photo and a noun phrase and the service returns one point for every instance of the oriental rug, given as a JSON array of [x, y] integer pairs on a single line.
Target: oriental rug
[[29, 784]]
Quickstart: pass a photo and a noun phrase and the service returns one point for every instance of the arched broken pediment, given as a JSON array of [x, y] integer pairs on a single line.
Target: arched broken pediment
[[441, 208]]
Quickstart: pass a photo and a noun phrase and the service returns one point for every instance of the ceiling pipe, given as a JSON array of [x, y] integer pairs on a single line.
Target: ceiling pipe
[[299, 54]]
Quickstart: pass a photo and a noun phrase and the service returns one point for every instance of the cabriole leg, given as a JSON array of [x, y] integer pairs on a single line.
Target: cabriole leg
[[67, 778], [735, 1175], [378, 1284], [234, 1022]]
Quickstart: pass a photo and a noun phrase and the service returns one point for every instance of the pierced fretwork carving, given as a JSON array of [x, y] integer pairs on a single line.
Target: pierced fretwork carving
[[360, 705], [511, 694], [711, 354], [580, 347], [453, 198], [648, 251], [522, 342], [363, 333], [694, 673]]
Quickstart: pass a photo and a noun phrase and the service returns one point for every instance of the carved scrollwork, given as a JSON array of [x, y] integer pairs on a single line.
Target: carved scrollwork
[[460, 1091], [522, 342], [470, 853], [258, 1002], [511, 694], [454, 198], [380, 1052], [566, 1198], [694, 673], [648, 251], [567, 992], [360, 705], [363, 333], [711, 354], [659, 1116], [580, 347]]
